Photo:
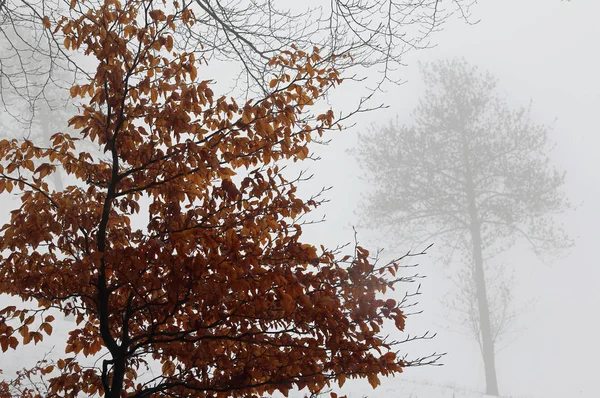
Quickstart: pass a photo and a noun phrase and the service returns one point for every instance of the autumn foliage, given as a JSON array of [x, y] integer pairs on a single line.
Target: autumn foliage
[[178, 246]]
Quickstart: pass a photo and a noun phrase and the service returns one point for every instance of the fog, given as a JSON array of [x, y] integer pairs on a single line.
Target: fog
[[543, 53]]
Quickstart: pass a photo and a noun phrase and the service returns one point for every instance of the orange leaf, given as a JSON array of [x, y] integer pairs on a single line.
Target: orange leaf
[[46, 327], [373, 380], [168, 368]]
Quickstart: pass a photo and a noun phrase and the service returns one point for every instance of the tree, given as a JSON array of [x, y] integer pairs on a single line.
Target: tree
[[181, 247], [470, 172]]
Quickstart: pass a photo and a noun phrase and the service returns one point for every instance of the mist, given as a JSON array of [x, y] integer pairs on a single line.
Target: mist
[[543, 56], [542, 53]]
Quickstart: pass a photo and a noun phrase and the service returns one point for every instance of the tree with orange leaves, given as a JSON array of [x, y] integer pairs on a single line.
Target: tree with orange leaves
[[180, 247]]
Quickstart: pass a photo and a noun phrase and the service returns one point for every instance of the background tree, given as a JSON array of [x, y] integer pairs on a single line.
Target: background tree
[[34, 79], [33, 66], [181, 247], [469, 172], [38, 121]]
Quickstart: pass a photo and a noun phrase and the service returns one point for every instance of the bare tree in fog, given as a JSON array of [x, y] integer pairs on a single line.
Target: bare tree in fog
[[33, 65], [34, 77], [470, 172], [376, 33]]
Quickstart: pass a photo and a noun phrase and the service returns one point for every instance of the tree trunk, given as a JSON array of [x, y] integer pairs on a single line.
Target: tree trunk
[[486, 339]]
